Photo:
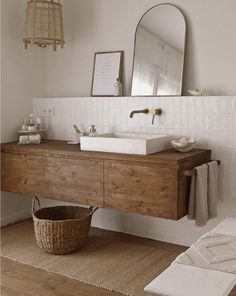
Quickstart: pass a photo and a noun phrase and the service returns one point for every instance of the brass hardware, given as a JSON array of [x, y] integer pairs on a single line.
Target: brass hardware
[[158, 112], [189, 173], [76, 129], [145, 111], [92, 129]]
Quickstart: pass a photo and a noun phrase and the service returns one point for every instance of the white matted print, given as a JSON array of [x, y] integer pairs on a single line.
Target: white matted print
[[107, 68]]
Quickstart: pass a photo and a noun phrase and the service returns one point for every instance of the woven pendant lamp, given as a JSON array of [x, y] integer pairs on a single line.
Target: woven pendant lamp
[[44, 23]]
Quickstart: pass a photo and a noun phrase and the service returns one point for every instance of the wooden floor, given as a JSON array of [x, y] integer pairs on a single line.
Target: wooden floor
[[20, 280]]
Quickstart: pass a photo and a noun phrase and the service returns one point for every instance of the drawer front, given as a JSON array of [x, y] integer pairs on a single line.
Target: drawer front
[[74, 180], [149, 190], [22, 173]]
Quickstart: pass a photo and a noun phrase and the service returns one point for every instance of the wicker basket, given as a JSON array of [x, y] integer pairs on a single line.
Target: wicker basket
[[62, 229]]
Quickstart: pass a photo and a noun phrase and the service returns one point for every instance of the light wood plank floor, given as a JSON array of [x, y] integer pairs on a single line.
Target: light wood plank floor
[[21, 280]]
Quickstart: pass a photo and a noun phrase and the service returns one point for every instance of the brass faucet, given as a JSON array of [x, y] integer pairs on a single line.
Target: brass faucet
[[145, 111]]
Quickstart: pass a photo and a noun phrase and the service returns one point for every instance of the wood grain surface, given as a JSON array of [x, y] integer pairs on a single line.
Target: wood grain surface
[[74, 180], [142, 189], [22, 173], [151, 185]]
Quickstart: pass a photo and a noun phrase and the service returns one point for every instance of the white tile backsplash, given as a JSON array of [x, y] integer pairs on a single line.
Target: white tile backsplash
[[211, 119]]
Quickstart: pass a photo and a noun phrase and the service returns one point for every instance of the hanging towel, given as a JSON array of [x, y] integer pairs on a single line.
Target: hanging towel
[[212, 189], [198, 200]]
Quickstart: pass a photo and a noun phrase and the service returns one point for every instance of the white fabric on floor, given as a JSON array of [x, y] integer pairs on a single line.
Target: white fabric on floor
[[184, 280], [212, 251], [187, 280], [227, 226]]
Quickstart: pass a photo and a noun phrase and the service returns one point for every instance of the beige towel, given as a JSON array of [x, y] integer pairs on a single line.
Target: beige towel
[[198, 200], [212, 189], [204, 194]]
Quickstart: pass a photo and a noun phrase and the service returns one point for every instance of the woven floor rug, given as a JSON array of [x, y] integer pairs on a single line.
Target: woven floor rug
[[112, 264]]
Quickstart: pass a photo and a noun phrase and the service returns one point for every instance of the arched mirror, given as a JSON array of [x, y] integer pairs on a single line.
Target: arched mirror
[[159, 52]]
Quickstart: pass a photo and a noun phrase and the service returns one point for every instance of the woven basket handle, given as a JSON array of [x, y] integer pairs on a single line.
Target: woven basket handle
[[92, 210], [34, 206]]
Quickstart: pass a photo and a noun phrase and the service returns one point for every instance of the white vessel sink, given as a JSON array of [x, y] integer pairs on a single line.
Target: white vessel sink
[[129, 143]]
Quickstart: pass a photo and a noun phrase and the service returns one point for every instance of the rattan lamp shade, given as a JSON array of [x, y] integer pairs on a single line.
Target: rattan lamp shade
[[44, 23]]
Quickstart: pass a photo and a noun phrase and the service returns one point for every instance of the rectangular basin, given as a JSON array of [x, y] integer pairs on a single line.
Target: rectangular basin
[[129, 143]]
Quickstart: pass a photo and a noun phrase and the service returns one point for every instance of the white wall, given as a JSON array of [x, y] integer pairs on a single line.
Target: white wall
[[211, 119], [22, 79], [98, 25], [104, 25]]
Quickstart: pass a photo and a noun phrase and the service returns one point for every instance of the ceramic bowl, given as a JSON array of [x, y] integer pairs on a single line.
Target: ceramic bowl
[[184, 144], [196, 92]]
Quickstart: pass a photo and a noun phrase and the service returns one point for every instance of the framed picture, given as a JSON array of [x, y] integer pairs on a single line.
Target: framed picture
[[106, 69]]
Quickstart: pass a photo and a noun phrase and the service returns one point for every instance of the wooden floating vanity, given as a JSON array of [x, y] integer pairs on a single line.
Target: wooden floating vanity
[[152, 185]]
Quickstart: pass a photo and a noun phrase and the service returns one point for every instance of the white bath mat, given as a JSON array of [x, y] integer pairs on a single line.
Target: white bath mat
[[212, 251]]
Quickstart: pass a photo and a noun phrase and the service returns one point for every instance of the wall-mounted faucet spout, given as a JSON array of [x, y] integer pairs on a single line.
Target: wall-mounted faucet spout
[[145, 111]]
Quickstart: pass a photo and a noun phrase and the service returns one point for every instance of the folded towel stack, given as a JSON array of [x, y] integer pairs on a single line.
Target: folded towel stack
[[204, 194]]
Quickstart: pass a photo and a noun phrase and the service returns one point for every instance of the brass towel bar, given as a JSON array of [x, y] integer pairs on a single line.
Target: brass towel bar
[[192, 172]]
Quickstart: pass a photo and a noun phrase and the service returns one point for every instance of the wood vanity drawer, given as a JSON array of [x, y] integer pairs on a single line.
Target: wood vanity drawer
[[149, 190], [74, 180], [22, 173], [152, 185]]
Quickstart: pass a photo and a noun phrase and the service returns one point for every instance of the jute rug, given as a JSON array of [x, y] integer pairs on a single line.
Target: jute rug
[[107, 263]]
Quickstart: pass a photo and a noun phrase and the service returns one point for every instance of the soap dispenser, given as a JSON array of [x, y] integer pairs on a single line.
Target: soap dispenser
[[117, 88], [92, 131]]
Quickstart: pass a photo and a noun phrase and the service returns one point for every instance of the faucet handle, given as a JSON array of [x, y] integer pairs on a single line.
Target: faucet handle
[[155, 112], [153, 118], [92, 129]]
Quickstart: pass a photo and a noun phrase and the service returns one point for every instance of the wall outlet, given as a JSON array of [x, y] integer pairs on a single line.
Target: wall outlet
[[48, 112]]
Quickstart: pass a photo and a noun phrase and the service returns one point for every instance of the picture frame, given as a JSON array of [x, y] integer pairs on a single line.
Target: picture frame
[[107, 68]]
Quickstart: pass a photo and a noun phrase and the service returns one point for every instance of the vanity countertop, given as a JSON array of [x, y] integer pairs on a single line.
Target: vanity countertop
[[61, 149]]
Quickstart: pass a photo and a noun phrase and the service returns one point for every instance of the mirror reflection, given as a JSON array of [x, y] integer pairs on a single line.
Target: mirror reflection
[[159, 52]]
